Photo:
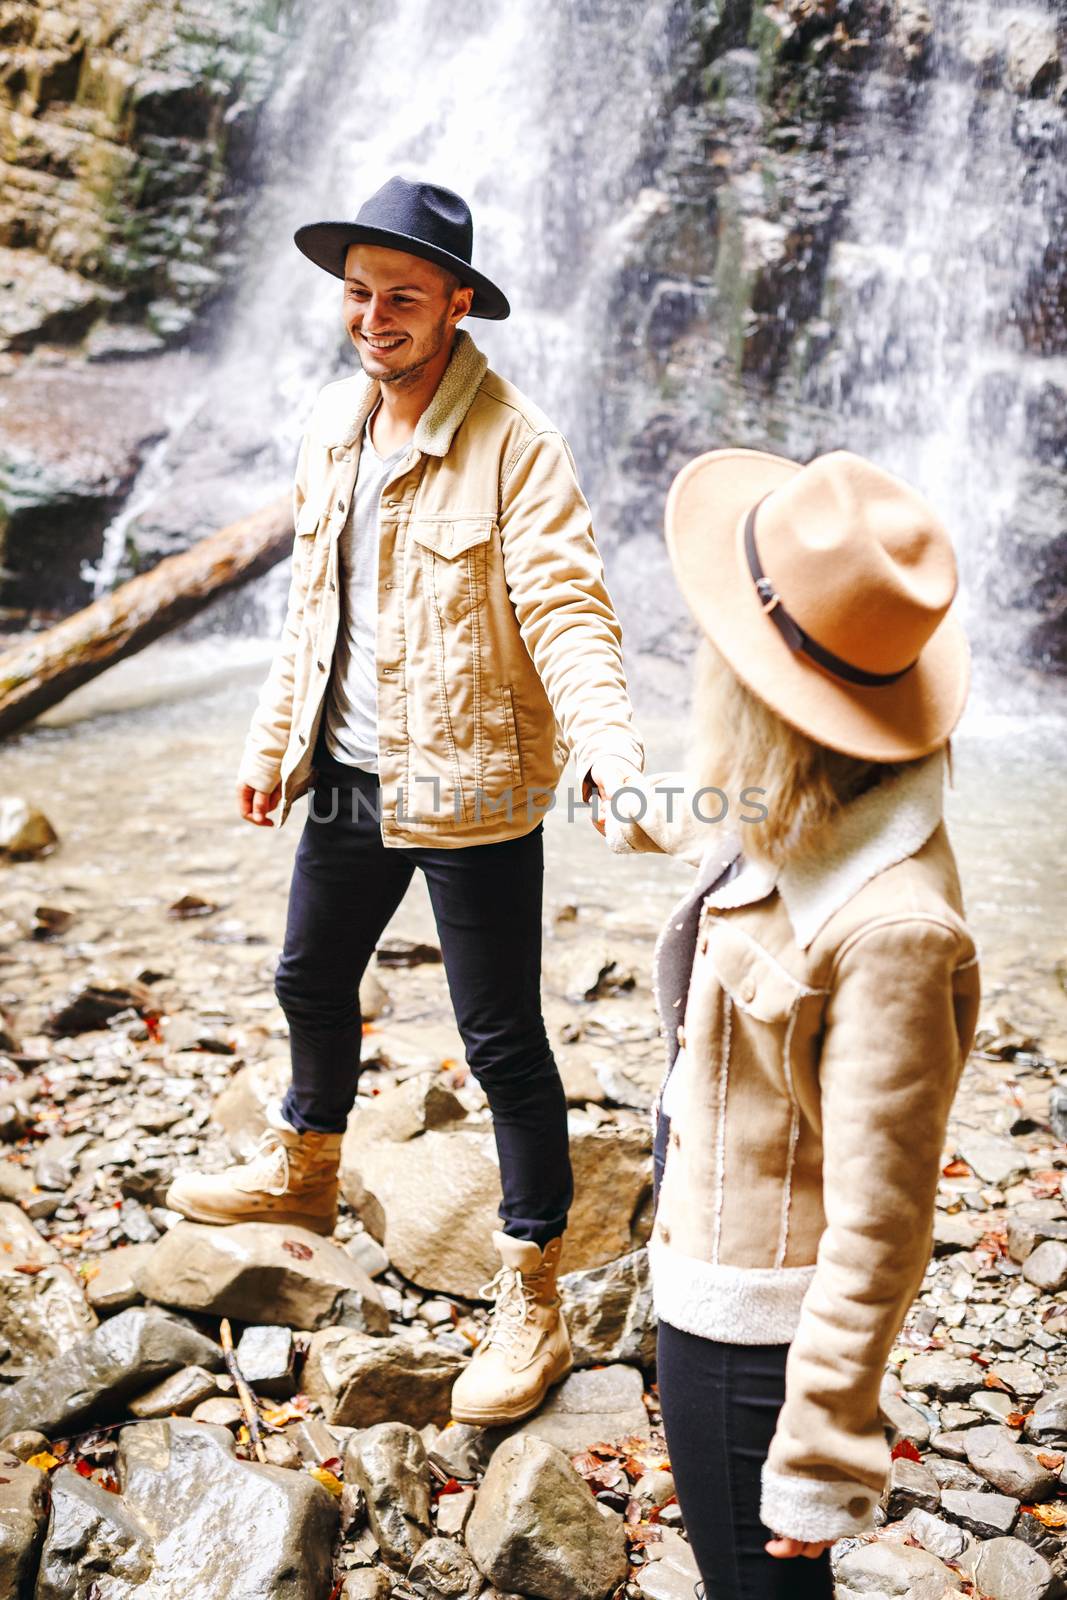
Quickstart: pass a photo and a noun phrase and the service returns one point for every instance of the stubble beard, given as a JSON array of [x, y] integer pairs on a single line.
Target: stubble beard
[[408, 377]]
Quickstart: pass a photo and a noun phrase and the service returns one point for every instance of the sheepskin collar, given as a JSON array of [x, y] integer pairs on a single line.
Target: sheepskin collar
[[342, 408], [879, 829]]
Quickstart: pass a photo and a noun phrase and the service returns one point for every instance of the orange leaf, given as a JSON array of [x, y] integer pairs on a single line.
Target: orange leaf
[[904, 1450], [44, 1459], [1049, 1459], [956, 1169], [991, 1381], [1053, 1515], [327, 1479]]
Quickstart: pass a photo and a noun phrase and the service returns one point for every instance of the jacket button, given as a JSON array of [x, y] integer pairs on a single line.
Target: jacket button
[[332, 584], [704, 945], [676, 1138], [300, 736], [858, 1506], [340, 505], [321, 666]]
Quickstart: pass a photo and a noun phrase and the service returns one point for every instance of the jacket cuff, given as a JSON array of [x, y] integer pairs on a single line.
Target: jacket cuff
[[814, 1509], [258, 775], [614, 743]]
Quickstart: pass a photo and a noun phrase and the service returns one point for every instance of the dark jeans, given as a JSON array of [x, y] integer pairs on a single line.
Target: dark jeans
[[720, 1407], [487, 905]]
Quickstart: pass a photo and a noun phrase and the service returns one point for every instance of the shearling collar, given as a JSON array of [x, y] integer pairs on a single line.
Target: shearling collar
[[882, 827], [342, 408]]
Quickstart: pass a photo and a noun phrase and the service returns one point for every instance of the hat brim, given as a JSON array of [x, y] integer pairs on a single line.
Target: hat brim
[[706, 510], [326, 244]]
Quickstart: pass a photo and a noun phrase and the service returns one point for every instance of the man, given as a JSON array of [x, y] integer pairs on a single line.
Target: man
[[448, 638]]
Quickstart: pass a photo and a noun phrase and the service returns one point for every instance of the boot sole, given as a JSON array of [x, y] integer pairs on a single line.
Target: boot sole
[[500, 1415], [288, 1219]]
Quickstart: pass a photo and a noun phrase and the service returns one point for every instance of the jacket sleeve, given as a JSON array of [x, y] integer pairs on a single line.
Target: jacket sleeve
[[669, 814], [268, 733], [899, 1022], [555, 578]]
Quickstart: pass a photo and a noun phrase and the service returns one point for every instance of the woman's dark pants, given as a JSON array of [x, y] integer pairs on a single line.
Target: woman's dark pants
[[486, 901], [720, 1406]]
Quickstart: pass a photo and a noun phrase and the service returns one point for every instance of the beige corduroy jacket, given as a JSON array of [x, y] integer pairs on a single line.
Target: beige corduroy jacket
[[824, 1015], [498, 648]]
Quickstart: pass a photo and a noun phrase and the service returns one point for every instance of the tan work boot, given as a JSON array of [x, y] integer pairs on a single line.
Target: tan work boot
[[526, 1348], [291, 1177]]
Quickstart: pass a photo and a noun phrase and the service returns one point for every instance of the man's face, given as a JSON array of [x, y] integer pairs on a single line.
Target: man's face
[[400, 311]]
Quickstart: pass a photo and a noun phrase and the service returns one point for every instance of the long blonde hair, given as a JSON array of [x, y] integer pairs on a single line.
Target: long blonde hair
[[738, 743]]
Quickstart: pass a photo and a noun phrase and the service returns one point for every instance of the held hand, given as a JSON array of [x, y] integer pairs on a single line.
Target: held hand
[[253, 804], [606, 776], [784, 1548]]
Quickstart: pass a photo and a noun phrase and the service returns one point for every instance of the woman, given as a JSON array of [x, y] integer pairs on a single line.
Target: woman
[[819, 991]]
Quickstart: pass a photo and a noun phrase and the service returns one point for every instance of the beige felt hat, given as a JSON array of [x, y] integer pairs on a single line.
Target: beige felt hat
[[827, 588]]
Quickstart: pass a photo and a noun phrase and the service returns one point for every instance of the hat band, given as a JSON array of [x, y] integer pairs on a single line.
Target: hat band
[[800, 642]]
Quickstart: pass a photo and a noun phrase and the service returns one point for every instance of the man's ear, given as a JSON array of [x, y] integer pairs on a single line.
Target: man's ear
[[461, 305]]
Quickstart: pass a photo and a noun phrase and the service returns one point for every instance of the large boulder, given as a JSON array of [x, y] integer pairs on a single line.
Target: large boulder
[[389, 1464], [23, 1514], [43, 1309], [537, 1530], [430, 1190], [93, 1379], [262, 1272], [1009, 1466], [359, 1380], [605, 1404], [609, 1312], [90, 1533]]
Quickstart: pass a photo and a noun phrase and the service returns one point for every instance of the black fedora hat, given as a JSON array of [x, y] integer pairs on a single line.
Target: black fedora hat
[[421, 218]]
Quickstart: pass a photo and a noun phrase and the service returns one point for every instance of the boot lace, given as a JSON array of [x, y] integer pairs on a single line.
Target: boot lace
[[512, 1299], [271, 1158]]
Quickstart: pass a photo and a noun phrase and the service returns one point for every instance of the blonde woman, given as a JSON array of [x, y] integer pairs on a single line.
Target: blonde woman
[[818, 989]]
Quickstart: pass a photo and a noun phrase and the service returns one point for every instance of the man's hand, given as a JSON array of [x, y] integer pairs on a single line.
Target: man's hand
[[784, 1548], [253, 804], [606, 776]]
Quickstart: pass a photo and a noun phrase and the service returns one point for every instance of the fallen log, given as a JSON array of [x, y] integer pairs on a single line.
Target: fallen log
[[44, 668]]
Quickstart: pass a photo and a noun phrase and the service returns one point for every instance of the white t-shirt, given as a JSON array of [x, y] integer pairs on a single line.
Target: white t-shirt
[[350, 719]]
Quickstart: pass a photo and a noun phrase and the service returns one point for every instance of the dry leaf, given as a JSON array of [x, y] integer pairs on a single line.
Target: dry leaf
[[904, 1450], [1049, 1459], [44, 1459], [297, 1248], [1053, 1515], [991, 1381], [956, 1169], [327, 1479]]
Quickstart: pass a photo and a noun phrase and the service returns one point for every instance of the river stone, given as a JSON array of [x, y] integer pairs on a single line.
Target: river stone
[[1032, 65], [367, 1583], [911, 1486], [93, 1546], [908, 1422], [241, 1109], [602, 1404], [443, 1570], [43, 1309], [535, 1527], [1008, 1466], [955, 1231], [177, 1395], [359, 1380], [1026, 1233], [609, 1312], [884, 1569], [461, 1450], [24, 830], [23, 1514], [950, 1377], [952, 1474], [453, 1511], [389, 1464], [1022, 1377], [987, 1515], [1007, 1569], [1047, 1423], [1046, 1266], [410, 1191], [942, 1539], [267, 1359], [262, 1272], [92, 1380], [113, 1286]]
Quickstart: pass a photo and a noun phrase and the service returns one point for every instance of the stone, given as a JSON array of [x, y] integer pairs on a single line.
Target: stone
[[600, 1404], [955, 1231], [654, 1488], [947, 1376], [1047, 1424], [25, 1444], [1007, 1569], [987, 1515], [25, 831], [609, 1312], [91, 1004], [905, 1419], [262, 1272], [461, 1450], [1010, 1467], [92, 1380], [23, 1514], [952, 1474], [359, 1380], [43, 1309], [1022, 1377], [1026, 1233], [112, 1286], [241, 1109], [911, 1487], [267, 1359], [996, 1161], [223, 1411], [1032, 65], [887, 1569], [366, 1583], [409, 1185], [444, 1571], [453, 1511], [388, 1461], [92, 1533], [368, 1254], [177, 1395], [535, 1527], [942, 1539], [1046, 1266]]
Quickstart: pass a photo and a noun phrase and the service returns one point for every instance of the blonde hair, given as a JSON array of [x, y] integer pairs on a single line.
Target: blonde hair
[[739, 743]]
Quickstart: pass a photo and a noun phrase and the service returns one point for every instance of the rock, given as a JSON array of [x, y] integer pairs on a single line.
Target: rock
[[262, 1272], [1026, 1233], [43, 1309], [887, 1569], [178, 1395], [368, 1254], [366, 1583], [654, 1488], [444, 1571], [92, 1380], [588, 1406], [1057, 1100], [911, 1487], [941, 1538], [461, 1450], [995, 1161], [113, 1286], [453, 1511], [987, 1515], [1033, 64], [671, 1572], [952, 1232], [954, 1474], [267, 1359], [388, 1461], [91, 1533], [1047, 1423], [1007, 1569], [410, 1184], [535, 1527], [23, 1514], [1046, 1267], [359, 1380], [1022, 1378], [949, 1377], [24, 830], [911, 30], [393, 952], [904, 1418], [1010, 1467], [609, 1312], [221, 1410], [241, 1109], [89, 1005], [23, 1445]]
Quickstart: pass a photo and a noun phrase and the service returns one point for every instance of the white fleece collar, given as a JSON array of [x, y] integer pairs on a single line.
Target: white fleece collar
[[884, 826], [343, 408]]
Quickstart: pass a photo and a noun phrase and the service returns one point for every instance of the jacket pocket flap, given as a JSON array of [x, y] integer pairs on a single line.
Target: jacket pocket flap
[[309, 516], [451, 536], [756, 983]]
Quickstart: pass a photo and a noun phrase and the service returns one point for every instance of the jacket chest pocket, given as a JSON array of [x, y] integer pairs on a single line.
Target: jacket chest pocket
[[451, 553], [758, 985]]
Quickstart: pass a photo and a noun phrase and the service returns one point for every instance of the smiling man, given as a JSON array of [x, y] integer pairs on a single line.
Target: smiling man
[[449, 640]]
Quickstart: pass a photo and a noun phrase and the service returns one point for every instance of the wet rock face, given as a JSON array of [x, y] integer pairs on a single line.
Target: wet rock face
[[23, 1514], [389, 1464]]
